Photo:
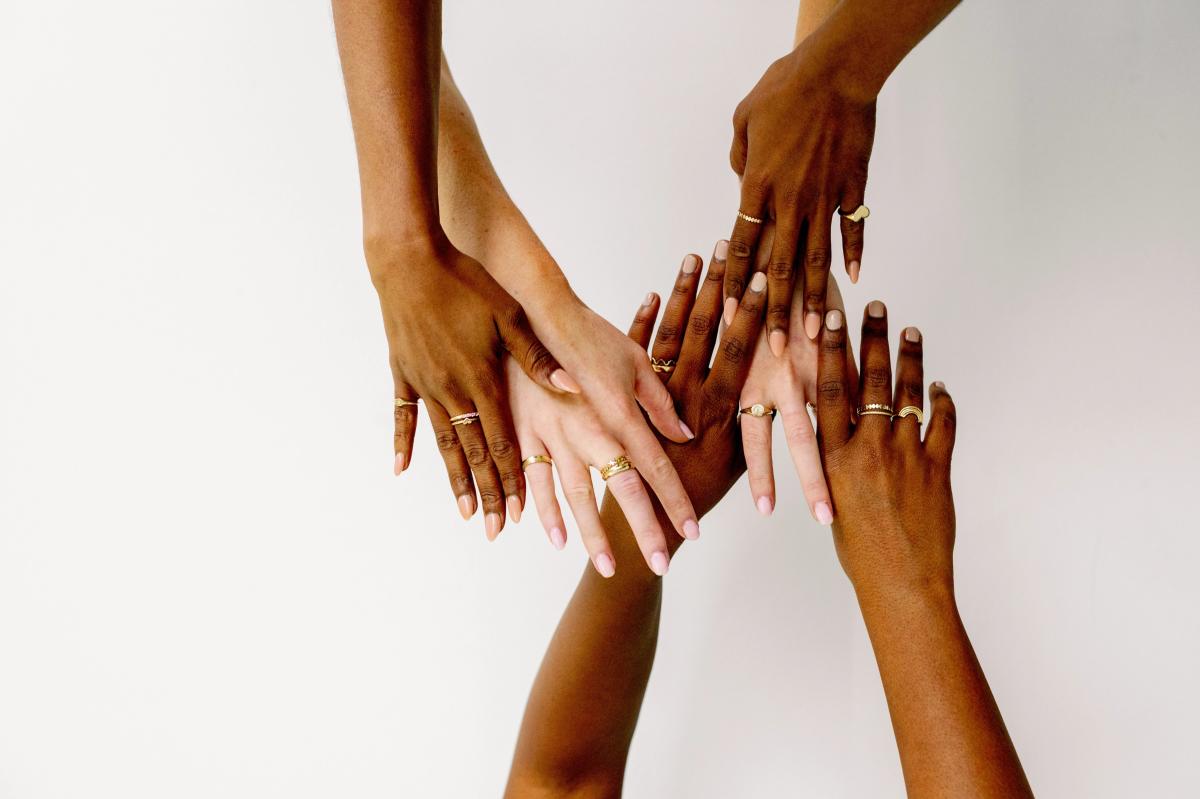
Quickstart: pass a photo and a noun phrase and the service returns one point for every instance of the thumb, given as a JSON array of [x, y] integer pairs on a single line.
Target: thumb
[[532, 355]]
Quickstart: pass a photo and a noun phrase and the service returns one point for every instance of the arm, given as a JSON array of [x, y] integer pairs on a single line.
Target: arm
[[894, 533]]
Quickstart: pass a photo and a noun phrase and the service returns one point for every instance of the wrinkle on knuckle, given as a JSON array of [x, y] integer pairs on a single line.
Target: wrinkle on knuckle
[[818, 256], [668, 332], [501, 447], [489, 497], [477, 455], [877, 377], [578, 493], [447, 440], [460, 484], [734, 350], [833, 341], [739, 248], [832, 390], [780, 269], [700, 323]]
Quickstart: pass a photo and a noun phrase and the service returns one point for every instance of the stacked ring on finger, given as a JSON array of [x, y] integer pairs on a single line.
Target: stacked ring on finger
[[857, 215], [912, 410], [876, 409], [660, 365], [532, 459], [758, 410], [614, 467], [463, 419], [404, 403], [754, 220]]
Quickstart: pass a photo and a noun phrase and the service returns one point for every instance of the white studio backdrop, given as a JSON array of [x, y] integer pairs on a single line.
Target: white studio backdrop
[[210, 584]]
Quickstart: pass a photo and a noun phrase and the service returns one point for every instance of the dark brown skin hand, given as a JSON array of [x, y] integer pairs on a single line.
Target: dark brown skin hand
[[801, 146], [456, 367]]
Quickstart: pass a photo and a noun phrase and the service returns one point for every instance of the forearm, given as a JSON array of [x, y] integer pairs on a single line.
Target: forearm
[[390, 60], [584, 705], [949, 731]]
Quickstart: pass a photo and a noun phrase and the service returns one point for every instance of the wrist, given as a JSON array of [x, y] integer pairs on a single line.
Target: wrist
[[395, 251], [891, 602]]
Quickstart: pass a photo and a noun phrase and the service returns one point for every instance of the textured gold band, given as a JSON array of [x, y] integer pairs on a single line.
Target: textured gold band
[[532, 459], [749, 218], [615, 466], [912, 410], [662, 364], [404, 403], [464, 419], [876, 409]]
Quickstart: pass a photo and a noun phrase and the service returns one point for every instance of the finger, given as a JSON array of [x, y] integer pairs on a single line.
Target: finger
[[705, 318], [738, 150], [756, 443], [669, 339], [875, 380], [635, 503], [531, 354], [833, 385], [781, 272], [910, 388], [491, 400], [852, 232], [455, 459], [724, 382], [577, 488], [802, 445], [540, 477], [659, 473], [743, 243], [943, 422], [491, 493], [405, 425], [816, 270], [651, 394], [642, 328]]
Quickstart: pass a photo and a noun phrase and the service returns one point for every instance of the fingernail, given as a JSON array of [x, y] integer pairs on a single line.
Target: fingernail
[[557, 538], [823, 512], [690, 263], [646, 303], [833, 320], [765, 506], [939, 385], [777, 340], [466, 506], [691, 530], [812, 324], [721, 250], [687, 431], [401, 462], [731, 304], [875, 310], [658, 563], [491, 523], [604, 565], [912, 335], [564, 382], [514, 509], [853, 268], [759, 281]]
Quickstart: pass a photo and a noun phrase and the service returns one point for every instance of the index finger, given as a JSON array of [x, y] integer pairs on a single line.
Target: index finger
[[659, 473]]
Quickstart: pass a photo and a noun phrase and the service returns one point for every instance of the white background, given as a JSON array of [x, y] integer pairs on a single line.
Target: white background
[[210, 584]]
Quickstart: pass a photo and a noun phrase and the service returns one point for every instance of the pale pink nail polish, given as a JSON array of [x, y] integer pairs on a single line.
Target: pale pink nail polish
[[759, 281], [514, 509], [691, 530], [912, 335], [658, 563], [721, 251], [823, 512], [833, 320], [812, 324], [557, 538], [853, 268], [731, 305], [646, 303], [491, 524], [604, 565], [765, 506], [939, 385], [564, 382], [401, 463], [466, 506], [687, 431], [875, 309], [690, 263], [777, 340]]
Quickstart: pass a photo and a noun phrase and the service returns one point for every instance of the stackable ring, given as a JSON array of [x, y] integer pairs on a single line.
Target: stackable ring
[[859, 214], [876, 409], [752, 219], [757, 410], [532, 459], [614, 467], [464, 419], [404, 403], [912, 410], [662, 365]]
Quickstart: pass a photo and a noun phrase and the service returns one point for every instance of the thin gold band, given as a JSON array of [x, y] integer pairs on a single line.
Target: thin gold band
[[464, 419], [876, 409], [614, 467], [755, 220], [404, 403], [532, 459], [757, 410]]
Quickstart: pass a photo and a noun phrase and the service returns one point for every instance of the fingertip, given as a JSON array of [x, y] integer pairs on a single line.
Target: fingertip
[[604, 565], [514, 509], [812, 324], [558, 538], [400, 464], [778, 341], [564, 382], [466, 506], [834, 320], [691, 530], [823, 513], [731, 306], [765, 505], [852, 269]]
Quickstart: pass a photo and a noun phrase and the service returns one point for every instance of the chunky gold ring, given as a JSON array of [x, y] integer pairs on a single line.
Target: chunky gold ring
[[860, 213], [464, 419], [532, 459], [876, 409], [403, 403], [757, 410], [755, 220], [912, 410], [615, 466], [662, 364]]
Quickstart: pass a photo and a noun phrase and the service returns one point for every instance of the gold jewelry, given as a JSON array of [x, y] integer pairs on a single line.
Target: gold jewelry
[[876, 409], [860, 213], [758, 410], [912, 410], [532, 459], [666, 365], [749, 218], [402, 403], [615, 466], [464, 419]]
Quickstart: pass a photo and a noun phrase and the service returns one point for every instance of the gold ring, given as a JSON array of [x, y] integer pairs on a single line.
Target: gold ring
[[464, 419], [615, 466], [757, 410], [666, 365], [749, 218], [402, 403], [876, 409], [532, 459], [860, 213], [912, 410]]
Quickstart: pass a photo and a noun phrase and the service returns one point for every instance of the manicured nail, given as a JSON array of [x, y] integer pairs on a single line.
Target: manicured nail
[[557, 538], [765, 506], [514, 509], [721, 250], [758, 282], [564, 382], [812, 324], [646, 303], [401, 462], [777, 340], [604, 565], [823, 512], [731, 305], [491, 524], [690, 263], [466, 506], [939, 385], [687, 431], [853, 268], [691, 530], [833, 320], [912, 335], [658, 563], [875, 310]]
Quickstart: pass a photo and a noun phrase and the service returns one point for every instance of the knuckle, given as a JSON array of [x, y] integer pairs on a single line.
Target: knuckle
[[734, 349], [780, 269], [510, 480], [624, 485], [739, 248], [832, 341], [578, 493], [832, 390], [447, 441], [657, 468], [700, 323], [668, 332], [877, 377], [911, 389], [814, 299], [501, 447], [477, 455], [460, 484], [513, 316], [818, 256], [489, 496]]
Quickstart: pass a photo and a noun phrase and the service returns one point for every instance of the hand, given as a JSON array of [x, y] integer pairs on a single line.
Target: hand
[[893, 522], [448, 325], [801, 145]]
